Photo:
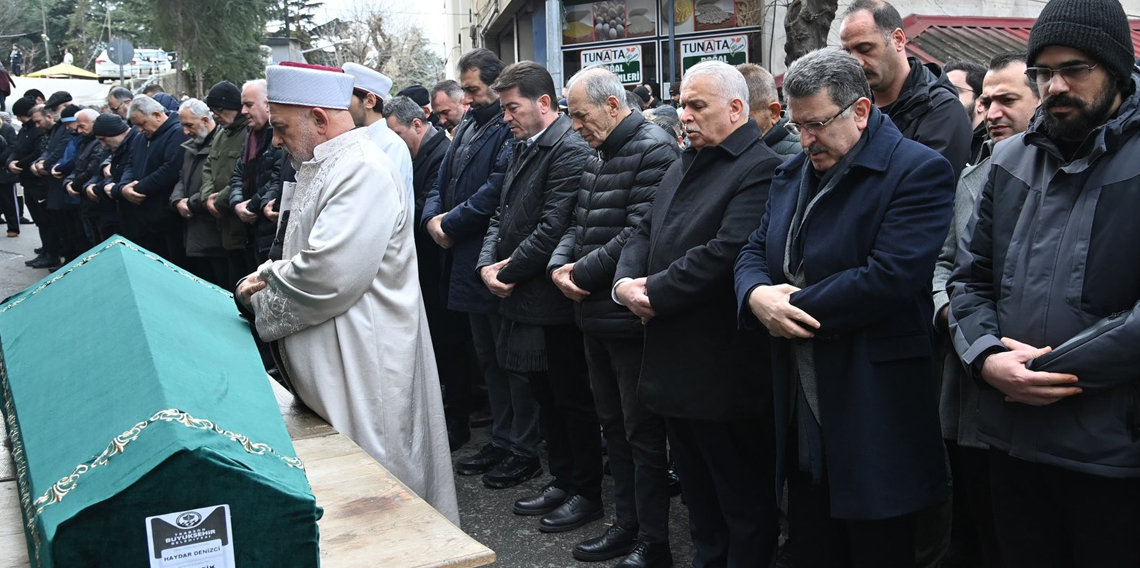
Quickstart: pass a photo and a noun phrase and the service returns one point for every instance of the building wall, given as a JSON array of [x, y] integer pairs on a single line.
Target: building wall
[[459, 21], [774, 43]]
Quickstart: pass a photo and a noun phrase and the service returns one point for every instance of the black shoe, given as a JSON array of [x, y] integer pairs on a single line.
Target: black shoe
[[674, 480], [512, 471], [482, 462], [616, 541], [47, 262], [550, 499], [40, 257], [25, 221], [575, 512], [648, 555], [39, 250]]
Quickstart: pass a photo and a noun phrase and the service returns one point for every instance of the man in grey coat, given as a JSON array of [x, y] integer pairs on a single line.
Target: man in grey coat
[[1008, 101], [205, 257]]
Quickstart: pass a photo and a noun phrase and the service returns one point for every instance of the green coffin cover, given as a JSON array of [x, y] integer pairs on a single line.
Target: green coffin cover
[[132, 389]]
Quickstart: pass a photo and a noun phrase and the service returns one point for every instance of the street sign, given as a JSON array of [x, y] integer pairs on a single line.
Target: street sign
[[120, 51]]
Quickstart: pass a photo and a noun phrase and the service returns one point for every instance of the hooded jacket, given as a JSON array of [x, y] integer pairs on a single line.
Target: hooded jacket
[[616, 190], [927, 110], [1053, 249]]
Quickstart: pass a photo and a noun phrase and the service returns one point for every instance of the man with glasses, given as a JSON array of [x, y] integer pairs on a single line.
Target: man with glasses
[[118, 100], [1052, 257], [839, 274]]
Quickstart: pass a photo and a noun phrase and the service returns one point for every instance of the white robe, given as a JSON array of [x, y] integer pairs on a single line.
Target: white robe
[[345, 304], [397, 150]]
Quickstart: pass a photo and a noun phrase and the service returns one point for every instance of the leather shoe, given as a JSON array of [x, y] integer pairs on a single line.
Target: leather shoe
[[482, 462], [47, 262], [674, 480], [512, 471], [575, 512], [548, 500], [616, 541], [39, 258], [648, 555]]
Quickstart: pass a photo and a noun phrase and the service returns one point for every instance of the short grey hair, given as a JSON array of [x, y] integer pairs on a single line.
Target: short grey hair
[[145, 105], [827, 68], [761, 86], [196, 107], [261, 85], [727, 83], [600, 84], [88, 113], [450, 87], [405, 110], [121, 94]]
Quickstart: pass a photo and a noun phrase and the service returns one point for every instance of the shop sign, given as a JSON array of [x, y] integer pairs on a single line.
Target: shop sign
[[625, 61], [732, 50]]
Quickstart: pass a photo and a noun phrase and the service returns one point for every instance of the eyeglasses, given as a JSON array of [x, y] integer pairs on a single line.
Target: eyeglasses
[[1072, 73], [814, 127]]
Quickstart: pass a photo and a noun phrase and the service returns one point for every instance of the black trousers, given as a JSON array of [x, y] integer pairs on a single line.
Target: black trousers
[[569, 421], [37, 208], [212, 269], [1048, 517], [973, 542], [819, 541], [635, 437], [70, 237], [9, 206], [454, 357], [727, 472]]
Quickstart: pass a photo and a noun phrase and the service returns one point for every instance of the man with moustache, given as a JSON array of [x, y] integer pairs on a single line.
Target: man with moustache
[[707, 378], [205, 257], [838, 273], [1007, 103], [1051, 256]]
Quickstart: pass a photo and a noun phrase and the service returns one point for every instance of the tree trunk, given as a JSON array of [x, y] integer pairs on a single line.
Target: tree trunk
[[181, 47], [806, 24]]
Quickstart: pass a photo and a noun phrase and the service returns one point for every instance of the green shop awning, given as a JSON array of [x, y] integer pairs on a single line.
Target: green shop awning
[[131, 389]]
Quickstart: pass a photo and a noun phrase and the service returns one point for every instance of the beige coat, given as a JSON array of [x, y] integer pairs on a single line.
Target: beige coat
[[345, 304]]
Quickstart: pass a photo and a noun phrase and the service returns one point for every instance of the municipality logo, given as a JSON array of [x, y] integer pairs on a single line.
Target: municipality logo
[[188, 520]]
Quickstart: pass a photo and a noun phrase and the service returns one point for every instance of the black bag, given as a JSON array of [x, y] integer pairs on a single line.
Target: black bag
[[1048, 361]]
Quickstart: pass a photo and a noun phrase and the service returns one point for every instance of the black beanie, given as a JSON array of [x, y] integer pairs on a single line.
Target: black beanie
[[224, 95], [417, 93], [1096, 27], [108, 125], [23, 107], [69, 112]]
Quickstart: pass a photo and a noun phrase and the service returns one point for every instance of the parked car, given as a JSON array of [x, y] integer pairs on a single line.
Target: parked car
[[145, 62]]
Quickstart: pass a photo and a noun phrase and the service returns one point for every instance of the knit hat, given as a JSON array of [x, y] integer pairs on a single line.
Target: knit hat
[[1096, 27], [58, 98], [224, 95], [23, 107], [642, 93], [68, 113], [417, 93], [108, 125]]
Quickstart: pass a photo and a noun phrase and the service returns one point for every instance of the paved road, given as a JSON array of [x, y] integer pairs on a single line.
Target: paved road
[[485, 514]]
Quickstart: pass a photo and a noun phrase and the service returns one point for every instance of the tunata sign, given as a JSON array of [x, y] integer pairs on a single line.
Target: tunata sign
[[732, 50], [625, 62]]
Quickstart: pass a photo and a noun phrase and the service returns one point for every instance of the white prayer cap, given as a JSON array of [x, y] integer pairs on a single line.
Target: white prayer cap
[[308, 85], [368, 80]]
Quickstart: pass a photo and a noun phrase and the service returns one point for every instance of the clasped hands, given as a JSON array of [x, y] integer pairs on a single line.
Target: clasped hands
[[490, 275]]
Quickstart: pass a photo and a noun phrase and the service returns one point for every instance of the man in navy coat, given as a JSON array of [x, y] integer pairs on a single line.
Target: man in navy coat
[[839, 273]]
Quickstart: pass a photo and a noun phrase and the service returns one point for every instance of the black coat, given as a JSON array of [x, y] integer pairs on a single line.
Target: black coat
[[928, 110], [57, 140], [697, 364], [467, 190], [616, 190], [425, 170], [7, 146], [25, 152], [535, 207], [259, 181], [156, 163]]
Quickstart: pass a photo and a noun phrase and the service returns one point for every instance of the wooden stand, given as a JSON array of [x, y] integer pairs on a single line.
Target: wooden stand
[[370, 519]]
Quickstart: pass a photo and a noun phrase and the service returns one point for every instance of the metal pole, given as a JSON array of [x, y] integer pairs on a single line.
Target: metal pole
[[672, 46], [554, 42]]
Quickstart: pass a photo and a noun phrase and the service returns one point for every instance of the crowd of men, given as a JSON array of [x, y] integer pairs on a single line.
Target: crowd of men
[[896, 305]]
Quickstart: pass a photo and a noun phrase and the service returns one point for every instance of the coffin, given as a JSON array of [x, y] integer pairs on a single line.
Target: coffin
[[132, 390]]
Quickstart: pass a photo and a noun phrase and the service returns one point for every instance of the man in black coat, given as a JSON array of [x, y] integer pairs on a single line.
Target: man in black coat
[[450, 334], [25, 151], [615, 192], [88, 163], [709, 380], [538, 337], [143, 191], [919, 99], [120, 140]]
